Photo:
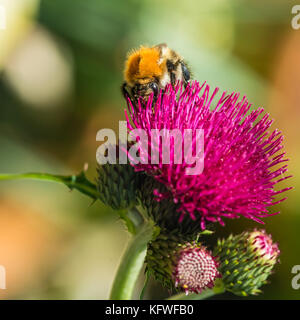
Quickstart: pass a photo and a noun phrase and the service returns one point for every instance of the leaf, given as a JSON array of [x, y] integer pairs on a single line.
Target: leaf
[[206, 232], [128, 222]]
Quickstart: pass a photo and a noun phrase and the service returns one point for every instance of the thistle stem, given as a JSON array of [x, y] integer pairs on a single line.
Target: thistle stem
[[135, 217], [132, 263], [193, 296], [78, 182], [142, 230], [145, 286], [218, 289]]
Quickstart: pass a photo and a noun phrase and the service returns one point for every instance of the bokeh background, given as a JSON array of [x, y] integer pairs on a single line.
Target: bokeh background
[[61, 65]]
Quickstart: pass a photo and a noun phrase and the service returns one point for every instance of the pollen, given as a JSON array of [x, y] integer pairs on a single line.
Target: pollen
[[142, 64]]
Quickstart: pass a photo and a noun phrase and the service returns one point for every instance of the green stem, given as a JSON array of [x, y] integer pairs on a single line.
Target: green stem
[[134, 215], [132, 263], [193, 296], [218, 289], [141, 229], [78, 182], [145, 285]]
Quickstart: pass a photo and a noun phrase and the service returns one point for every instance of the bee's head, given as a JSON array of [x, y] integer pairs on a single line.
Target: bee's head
[[143, 64], [150, 69], [143, 69], [141, 90]]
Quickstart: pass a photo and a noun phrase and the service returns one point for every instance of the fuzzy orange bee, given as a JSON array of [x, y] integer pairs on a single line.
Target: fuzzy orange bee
[[150, 69]]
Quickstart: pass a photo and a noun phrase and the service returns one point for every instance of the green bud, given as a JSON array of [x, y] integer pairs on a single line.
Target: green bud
[[117, 185], [246, 261], [165, 212]]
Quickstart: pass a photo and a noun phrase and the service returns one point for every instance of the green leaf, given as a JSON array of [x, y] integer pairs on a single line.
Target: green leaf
[[129, 220], [206, 232]]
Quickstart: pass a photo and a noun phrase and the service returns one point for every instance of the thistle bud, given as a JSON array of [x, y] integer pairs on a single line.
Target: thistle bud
[[176, 263], [118, 184], [262, 243], [157, 209], [246, 261], [163, 210]]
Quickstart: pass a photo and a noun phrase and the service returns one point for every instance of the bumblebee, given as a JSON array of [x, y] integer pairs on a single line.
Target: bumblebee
[[150, 69]]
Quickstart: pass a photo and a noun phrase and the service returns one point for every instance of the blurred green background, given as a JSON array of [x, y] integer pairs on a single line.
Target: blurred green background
[[61, 65]]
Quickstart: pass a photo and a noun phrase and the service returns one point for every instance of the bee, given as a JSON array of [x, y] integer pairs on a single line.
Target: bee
[[150, 69]]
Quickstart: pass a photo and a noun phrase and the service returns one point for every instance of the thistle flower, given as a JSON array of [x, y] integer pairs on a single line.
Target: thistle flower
[[178, 263], [239, 154], [196, 270], [246, 261]]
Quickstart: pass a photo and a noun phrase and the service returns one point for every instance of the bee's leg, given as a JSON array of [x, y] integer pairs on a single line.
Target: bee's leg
[[154, 88], [125, 91], [173, 78], [186, 73], [171, 68]]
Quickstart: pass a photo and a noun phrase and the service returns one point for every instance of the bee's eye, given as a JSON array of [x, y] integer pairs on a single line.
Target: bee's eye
[[154, 87], [185, 72]]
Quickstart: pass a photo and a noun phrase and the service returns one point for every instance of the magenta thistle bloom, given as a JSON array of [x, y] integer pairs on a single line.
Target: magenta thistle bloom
[[239, 154], [196, 270]]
